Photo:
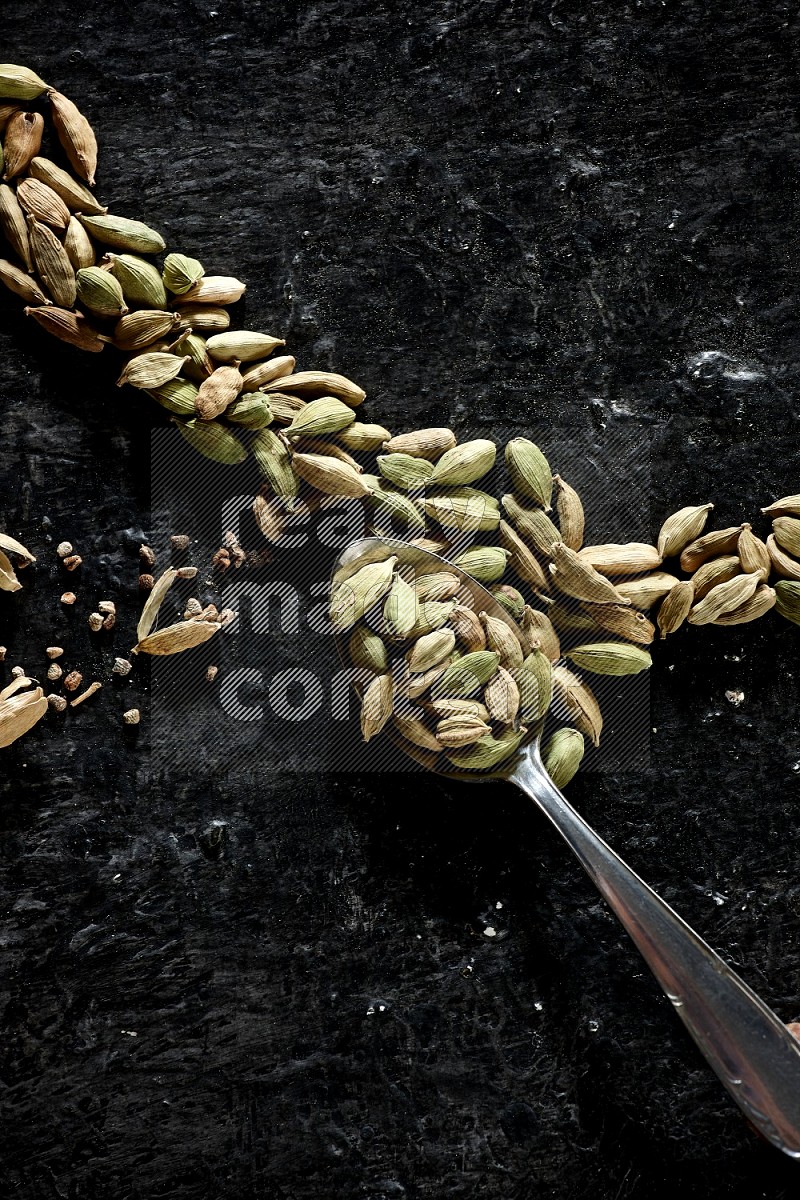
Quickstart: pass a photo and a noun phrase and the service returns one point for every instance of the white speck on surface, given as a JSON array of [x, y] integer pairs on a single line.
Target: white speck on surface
[[490, 931], [538, 1006], [734, 697], [129, 1032], [592, 1025], [499, 904]]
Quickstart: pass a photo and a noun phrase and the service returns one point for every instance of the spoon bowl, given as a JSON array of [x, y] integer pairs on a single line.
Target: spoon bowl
[[751, 1050]]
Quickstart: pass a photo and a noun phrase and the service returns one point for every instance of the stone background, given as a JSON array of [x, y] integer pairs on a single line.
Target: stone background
[[568, 218]]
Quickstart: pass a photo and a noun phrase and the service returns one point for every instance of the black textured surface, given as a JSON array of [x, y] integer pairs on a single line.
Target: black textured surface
[[491, 215]]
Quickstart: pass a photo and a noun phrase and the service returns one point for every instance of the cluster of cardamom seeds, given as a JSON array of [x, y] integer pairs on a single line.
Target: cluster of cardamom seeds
[[230, 397]]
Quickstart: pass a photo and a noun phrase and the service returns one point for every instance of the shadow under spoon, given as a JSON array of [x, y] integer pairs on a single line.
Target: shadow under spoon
[[751, 1050]]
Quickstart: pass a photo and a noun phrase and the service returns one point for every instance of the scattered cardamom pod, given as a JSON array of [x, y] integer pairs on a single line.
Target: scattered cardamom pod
[[320, 383], [368, 651], [787, 506], [78, 245], [12, 222], [404, 471], [416, 731], [19, 713], [502, 639], [488, 752], [136, 330], [522, 560], [782, 563], [725, 597], [242, 345], [510, 599], [251, 410], [464, 509], [709, 545], [621, 559], [575, 576], [140, 281], [645, 592], [274, 463], [752, 552], [716, 570], [610, 658], [786, 531], [422, 443], [763, 599], [624, 620], [438, 585], [214, 289], [462, 729], [352, 597], [20, 83], [533, 524], [52, 264], [540, 631], [468, 675], [213, 441], [22, 142], [147, 371], [329, 476], [787, 599], [76, 136], [467, 628], [400, 608], [430, 650], [578, 699], [502, 697], [40, 201], [360, 437], [535, 682], [487, 564], [180, 273], [218, 391], [177, 396], [69, 327], [265, 372], [23, 285], [320, 417]]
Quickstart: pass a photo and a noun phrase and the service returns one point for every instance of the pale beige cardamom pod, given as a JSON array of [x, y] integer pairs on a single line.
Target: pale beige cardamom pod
[[575, 576], [75, 134], [627, 558], [752, 552], [762, 600], [452, 706], [501, 638], [319, 383], [272, 456], [74, 194], [437, 585], [644, 593], [625, 621], [725, 597], [430, 650], [376, 705], [421, 443], [206, 318], [313, 445], [12, 546], [153, 603], [52, 264], [329, 476], [487, 564], [502, 697], [431, 614], [22, 142], [136, 330], [419, 684], [461, 729], [20, 83], [43, 203], [540, 631], [22, 284], [151, 370], [352, 597], [219, 391], [786, 531], [416, 731], [78, 245], [433, 542], [19, 713], [709, 545], [675, 607], [681, 528], [465, 509], [535, 682], [174, 639], [69, 326], [264, 372], [522, 560], [782, 563], [361, 437], [787, 506], [214, 289], [12, 222], [716, 570], [468, 628], [271, 516], [8, 576], [579, 701], [570, 513], [533, 524]]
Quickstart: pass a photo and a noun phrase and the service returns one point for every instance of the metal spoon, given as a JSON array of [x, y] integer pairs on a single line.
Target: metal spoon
[[746, 1044]]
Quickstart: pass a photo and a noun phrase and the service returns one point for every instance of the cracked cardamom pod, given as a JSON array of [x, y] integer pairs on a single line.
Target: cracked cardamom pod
[[174, 639], [20, 713]]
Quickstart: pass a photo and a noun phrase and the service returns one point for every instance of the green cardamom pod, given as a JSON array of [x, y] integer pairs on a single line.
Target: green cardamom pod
[[468, 675], [251, 410], [392, 509], [199, 366], [465, 509], [535, 682], [400, 608], [530, 471], [274, 462], [562, 755], [488, 752], [123, 234], [484, 563], [404, 471], [510, 599], [20, 83], [180, 273], [320, 417], [243, 345], [100, 292], [430, 649], [360, 436], [213, 440], [148, 371], [368, 651], [177, 396], [610, 658], [464, 464], [534, 525], [787, 599], [140, 281], [354, 596], [787, 534]]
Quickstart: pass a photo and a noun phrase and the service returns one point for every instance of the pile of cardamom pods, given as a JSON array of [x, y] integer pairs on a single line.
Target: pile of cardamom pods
[[93, 279]]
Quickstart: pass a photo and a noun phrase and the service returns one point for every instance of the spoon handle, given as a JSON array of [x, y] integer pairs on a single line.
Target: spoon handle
[[750, 1049]]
